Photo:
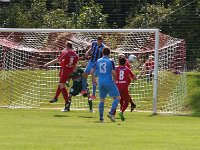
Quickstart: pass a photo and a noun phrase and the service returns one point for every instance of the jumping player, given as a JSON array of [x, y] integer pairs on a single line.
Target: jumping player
[[124, 77], [68, 62], [96, 52]]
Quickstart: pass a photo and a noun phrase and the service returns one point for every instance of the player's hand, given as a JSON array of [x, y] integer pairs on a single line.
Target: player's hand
[[67, 84]]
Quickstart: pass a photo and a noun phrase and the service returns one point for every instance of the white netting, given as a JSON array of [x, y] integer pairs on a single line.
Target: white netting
[[24, 84]]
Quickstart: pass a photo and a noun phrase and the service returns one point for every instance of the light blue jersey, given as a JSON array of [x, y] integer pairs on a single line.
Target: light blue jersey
[[104, 67]]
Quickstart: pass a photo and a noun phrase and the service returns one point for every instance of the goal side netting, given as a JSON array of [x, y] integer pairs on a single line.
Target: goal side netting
[[24, 84]]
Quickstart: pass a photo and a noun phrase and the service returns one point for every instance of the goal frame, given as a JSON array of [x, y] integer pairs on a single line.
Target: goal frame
[[155, 31]]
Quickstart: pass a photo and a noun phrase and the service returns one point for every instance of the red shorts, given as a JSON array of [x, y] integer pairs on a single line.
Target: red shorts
[[64, 74], [124, 93]]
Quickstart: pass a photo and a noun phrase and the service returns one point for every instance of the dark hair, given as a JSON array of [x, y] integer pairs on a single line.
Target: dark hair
[[99, 37], [106, 51], [122, 61], [69, 44]]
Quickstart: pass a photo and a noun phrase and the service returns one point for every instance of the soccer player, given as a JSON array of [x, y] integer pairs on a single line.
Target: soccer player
[[68, 62], [105, 71], [124, 78], [76, 88], [127, 64], [148, 68], [95, 53]]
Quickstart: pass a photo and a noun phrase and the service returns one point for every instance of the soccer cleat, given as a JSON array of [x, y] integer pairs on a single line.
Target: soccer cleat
[[65, 110], [92, 97], [92, 111], [112, 117], [121, 116], [84, 92], [101, 120], [133, 106], [53, 100]]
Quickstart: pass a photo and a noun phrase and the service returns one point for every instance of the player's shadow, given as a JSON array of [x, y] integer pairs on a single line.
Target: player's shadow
[[86, 117], [60, 116]]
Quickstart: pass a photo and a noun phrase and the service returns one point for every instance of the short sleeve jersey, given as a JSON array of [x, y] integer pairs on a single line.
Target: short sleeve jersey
[[68, 59], [104, 67], [96, 51], [124, 74]]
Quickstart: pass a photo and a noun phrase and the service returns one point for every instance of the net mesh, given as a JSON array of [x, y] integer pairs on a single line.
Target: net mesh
[[25, 85]]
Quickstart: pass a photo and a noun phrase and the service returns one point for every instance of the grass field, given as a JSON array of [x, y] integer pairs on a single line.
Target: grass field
[[80, 130]]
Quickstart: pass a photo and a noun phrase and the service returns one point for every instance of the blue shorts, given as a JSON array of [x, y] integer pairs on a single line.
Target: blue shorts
[[109, 88], [89, 67]]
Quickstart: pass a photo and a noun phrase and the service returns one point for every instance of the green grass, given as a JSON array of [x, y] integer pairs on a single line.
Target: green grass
[[80, 130], [193, 79]]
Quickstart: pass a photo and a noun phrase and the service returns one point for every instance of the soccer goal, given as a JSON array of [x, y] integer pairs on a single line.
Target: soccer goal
[[24, 84]]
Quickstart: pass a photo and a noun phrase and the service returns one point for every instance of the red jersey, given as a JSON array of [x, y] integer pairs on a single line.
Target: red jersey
[[68, 59], [127, 64], [124, 74]]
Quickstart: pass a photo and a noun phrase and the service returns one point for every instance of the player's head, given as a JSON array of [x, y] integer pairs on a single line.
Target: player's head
[[121, 55], [69, 45], [122, 61], [99, 40], [151, 57], [106, 51]]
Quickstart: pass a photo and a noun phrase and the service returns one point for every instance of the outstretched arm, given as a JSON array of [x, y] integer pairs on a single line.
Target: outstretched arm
[[51, 62]]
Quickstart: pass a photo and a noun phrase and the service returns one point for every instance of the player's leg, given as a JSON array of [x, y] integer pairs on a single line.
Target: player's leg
[[84, 83], [55, 99], [102, 95], [67, 104], [113, 92], [85, 76]]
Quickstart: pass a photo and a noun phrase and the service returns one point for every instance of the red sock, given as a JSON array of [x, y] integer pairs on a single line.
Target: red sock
[[125, 105], [121, 104], [58, 91], [65, 94]]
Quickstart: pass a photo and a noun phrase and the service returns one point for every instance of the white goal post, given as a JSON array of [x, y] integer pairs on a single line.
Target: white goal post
[[22, 51]]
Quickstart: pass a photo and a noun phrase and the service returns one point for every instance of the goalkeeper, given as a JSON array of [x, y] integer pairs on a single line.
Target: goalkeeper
[[76, 88]]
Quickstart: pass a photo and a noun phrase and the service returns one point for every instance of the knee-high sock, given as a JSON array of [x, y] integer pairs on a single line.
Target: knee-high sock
[[90, 104], [125, 105], [65, 94], [114, 106], [58, 91], [84, 83], [121, 104], [101, 110], [94, 87]]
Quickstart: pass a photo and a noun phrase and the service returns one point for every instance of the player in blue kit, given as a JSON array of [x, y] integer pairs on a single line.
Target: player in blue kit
[[104, 68], [95, 53]]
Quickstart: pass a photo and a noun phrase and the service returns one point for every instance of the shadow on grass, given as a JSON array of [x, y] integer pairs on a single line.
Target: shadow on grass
[[60, 116], [86, 117]]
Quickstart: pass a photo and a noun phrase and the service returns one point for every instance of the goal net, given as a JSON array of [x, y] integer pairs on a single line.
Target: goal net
[[24, 84]]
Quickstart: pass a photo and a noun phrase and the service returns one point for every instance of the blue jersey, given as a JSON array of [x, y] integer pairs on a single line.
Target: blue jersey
[[104, 67], [96, 51]]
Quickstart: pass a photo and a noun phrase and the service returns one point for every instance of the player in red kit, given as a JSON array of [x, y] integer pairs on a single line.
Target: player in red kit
[[68, 62], [124, 77], [127, 64]]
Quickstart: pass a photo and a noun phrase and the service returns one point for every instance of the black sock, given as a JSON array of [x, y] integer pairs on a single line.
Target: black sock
[[90, 104]]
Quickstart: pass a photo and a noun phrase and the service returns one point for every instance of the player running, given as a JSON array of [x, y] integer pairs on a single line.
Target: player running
[[123, 80]]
